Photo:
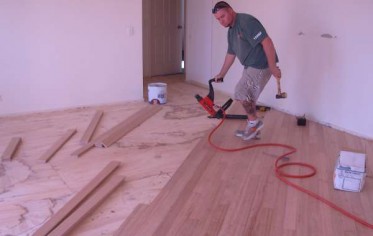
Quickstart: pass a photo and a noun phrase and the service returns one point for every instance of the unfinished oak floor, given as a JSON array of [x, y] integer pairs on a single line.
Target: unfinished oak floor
[[237, 193], [175, 182]]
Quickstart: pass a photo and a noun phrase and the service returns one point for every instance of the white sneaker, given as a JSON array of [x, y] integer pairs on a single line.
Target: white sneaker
[[239, 133], [252, 131]]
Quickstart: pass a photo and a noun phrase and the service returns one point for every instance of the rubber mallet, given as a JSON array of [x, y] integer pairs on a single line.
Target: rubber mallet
[[279, 93]]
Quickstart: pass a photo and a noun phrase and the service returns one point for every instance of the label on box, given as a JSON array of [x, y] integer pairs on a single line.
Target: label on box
[[349, 174]]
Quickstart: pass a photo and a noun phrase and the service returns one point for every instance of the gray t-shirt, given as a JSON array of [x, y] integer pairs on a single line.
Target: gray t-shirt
[[244, 41]]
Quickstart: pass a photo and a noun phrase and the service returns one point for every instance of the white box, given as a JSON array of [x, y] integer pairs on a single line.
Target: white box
[[349, 174]]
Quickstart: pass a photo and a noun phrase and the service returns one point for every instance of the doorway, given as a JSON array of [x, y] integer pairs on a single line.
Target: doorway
[[163, 37]]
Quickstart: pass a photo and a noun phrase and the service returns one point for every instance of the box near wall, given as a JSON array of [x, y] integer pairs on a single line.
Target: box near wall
[[349, 174]]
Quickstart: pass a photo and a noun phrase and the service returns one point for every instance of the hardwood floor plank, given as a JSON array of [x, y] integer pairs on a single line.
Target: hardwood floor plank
[[80, 151], [88, 134], [11, 148], [292, 211], [57, 218], [57, 145], [134, 216], [126, 126], [89, 205]]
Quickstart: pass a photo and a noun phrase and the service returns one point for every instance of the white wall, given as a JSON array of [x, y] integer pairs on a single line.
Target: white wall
[[198, 40], [59, 54], [325, 50]]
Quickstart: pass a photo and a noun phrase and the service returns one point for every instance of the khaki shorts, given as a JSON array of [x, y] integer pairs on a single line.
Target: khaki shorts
[[251, 84]]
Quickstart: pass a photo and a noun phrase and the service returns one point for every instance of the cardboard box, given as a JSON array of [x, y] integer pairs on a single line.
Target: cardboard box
[[349, 174]]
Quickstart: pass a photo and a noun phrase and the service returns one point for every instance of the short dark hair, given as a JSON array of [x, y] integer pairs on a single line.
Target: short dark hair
[[220, 5]]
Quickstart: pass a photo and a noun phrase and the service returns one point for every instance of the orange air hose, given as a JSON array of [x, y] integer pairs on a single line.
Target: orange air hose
[[283, 176]]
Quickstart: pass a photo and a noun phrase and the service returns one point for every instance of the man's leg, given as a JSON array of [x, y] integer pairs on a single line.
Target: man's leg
[[250, 108], [254, 125], [247, 93]]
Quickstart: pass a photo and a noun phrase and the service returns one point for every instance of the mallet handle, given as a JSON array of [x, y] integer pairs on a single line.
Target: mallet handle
[[278, 86]]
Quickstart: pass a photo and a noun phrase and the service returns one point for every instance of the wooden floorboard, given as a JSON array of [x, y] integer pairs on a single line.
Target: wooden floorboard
[[75, 201], [238, 194], [176, 183], [11, 149]]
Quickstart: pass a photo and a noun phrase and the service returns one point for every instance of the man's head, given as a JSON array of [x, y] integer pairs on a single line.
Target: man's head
[[224, 13]]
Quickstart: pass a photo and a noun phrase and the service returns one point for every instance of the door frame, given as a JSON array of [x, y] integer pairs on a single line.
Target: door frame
[[147, 34]]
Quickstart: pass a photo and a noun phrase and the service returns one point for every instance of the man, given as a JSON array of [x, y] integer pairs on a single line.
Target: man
[[250, 43]]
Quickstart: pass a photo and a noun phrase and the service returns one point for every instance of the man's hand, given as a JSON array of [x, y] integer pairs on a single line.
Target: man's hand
[[219, 79], [276, 72]]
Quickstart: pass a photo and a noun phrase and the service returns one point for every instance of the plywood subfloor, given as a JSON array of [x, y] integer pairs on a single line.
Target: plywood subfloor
[[220, 193]]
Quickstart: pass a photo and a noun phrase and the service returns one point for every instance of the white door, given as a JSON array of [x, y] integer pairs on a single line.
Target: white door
[[163, 37]]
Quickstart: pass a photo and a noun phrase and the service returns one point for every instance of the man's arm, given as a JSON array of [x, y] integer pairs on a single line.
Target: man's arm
[[269, 50], [228, 61]]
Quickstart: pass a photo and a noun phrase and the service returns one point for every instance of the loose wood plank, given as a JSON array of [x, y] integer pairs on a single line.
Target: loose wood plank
[[127, 125], [114, 134], [91, 127], [80, 151], [77, 199], [58, 145], [87, 207], [11, 148]]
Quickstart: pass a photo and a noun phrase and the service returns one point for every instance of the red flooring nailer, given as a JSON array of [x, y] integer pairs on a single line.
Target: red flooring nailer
[[208, 104]]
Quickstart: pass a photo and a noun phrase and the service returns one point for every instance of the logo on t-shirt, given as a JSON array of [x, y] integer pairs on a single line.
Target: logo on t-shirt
[[239, 35], [257, 35]]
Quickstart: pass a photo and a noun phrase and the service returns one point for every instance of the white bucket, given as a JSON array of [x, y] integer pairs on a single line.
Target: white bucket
[[157, 93]]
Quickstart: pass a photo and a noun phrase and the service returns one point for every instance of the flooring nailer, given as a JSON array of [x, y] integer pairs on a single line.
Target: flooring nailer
[[208, 104]]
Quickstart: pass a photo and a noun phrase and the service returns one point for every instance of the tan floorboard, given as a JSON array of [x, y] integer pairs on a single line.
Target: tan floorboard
[[58, 145], [87, 206], [87, 136], [74, 202], [11, 149], [237, 193]]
